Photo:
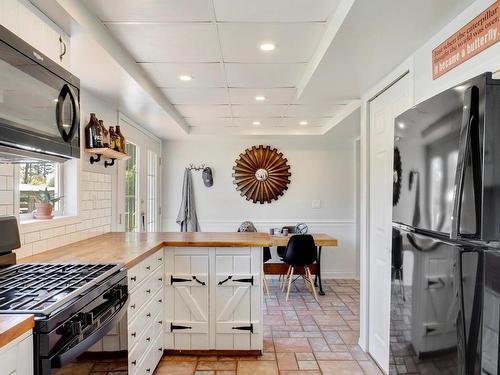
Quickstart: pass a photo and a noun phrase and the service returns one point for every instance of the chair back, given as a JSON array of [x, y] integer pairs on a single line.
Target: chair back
[[301, 250]]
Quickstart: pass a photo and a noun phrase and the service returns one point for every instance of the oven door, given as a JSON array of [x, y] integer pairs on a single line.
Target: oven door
[[39, 109]]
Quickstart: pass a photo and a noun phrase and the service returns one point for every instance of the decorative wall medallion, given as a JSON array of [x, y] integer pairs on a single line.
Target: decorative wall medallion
[[261, 174]]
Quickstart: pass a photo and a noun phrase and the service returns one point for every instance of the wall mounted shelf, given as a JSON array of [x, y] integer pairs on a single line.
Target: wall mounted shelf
[[106, 153]]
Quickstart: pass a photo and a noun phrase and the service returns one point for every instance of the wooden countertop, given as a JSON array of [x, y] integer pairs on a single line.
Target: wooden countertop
[[14, 325], [320, 239], [129, 249]]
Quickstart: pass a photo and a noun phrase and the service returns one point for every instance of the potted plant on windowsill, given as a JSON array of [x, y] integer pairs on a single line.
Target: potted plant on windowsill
[[45, 205]]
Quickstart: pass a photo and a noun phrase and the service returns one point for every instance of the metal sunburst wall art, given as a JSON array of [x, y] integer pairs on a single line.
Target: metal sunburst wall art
[[261, 174]]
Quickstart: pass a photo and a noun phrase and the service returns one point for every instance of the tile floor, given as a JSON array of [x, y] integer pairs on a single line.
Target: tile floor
[[301, 336]]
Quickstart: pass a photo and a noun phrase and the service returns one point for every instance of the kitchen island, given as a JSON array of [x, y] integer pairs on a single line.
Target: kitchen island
[[193, 293]]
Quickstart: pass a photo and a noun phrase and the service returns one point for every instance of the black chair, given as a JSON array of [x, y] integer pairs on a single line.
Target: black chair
[[300, 252], [248, 226]]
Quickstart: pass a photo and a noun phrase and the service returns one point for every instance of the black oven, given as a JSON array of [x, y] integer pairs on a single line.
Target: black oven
[[39, 104]]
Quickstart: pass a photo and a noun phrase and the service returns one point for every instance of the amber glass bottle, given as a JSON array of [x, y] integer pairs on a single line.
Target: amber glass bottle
[[114, 139], [105, 134], [122, 138], [93, 133]]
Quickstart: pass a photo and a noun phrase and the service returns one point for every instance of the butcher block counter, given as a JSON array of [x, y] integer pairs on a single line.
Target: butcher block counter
[[13, 326], [129, 249]]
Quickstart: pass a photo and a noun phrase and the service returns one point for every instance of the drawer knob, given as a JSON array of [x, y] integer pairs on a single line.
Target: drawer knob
[[148, 315], [133, 278], [134, 362], [132, 306], [133, 334], [148, 291], [160, 279], [160, 300], [160, 259], [160, 322], [148, 267], [160, 349], [148, 370], [148, 338]]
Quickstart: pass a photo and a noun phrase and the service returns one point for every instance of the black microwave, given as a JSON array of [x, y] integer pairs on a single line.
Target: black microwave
[[39, 105]]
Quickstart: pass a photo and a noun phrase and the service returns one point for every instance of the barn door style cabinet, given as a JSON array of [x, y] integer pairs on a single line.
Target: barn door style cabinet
[[213, 298]]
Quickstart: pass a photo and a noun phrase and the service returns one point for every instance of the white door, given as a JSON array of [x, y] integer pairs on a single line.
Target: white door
[[139, 181], [383, 110], [187, 293], [237, 299]]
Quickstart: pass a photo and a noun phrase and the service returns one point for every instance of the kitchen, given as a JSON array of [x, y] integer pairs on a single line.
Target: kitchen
[[163, 163]]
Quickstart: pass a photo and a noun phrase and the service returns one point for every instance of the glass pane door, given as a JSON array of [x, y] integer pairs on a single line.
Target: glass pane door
[[131, 185], [152, 189]]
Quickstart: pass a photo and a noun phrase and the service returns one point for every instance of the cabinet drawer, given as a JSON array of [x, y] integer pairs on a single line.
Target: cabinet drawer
[[139, 273], [143, 318], [151, 358]]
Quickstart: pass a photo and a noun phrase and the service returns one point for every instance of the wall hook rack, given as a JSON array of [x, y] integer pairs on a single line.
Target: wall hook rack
[[193, 167]]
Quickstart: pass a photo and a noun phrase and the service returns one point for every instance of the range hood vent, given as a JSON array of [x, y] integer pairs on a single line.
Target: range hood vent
[[17, 155]]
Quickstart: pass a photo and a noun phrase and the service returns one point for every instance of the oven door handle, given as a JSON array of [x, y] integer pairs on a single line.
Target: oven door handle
[[61, 359]]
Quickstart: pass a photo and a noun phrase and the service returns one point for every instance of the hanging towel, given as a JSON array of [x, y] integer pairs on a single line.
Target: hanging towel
[[187, 213]]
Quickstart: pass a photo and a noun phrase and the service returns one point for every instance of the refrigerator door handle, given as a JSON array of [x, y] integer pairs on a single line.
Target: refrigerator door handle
[[465, 147], [428, 244]]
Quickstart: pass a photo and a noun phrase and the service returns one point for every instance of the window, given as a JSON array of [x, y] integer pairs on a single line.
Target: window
[[131, 189], [34, 178]]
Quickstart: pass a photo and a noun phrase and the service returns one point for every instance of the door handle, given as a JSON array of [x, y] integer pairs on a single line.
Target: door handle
[[67, 136], [467, 141]]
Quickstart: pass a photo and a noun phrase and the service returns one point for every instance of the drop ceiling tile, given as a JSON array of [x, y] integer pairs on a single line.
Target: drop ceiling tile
[[210, 122], [295, 42], [247, 122], [264, 75], [259, 110], [273, 95], [197, 95], [274, 10], [204, 75], [169, 42], [313, 110], [204, 110], [311, 121], [151, 10]]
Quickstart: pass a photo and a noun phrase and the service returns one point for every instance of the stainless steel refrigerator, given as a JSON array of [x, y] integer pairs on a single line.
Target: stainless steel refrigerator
[[446, 224]]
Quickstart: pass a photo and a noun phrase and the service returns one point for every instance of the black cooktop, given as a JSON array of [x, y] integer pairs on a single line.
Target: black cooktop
[[41, 288]]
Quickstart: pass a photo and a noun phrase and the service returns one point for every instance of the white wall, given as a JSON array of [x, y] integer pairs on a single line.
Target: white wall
[[322, 168]]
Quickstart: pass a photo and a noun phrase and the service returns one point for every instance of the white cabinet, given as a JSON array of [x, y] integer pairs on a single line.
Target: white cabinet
[[16, 357], [145, 315], [213, 298], [27, 22]]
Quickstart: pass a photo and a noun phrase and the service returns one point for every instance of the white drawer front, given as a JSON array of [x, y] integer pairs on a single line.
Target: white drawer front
[[139, 273], [151, 358]]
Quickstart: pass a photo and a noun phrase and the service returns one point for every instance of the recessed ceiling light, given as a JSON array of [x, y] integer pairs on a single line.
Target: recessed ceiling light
[[256, 123], [303, 123], [267, 47], [185, 77], [260, 98]]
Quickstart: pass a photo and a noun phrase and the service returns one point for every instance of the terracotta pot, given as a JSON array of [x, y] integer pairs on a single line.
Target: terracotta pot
[[43, 211]]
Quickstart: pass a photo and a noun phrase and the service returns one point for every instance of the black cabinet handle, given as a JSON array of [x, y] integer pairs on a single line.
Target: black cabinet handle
[[148, 339], [172, 327], [148, 291], [134, 363], [133, 278], [133, 334], [148, 267], [148, 315], [132, 306]]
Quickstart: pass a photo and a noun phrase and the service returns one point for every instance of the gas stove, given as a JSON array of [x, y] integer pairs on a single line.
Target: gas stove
[[42, 289], [74, 305]]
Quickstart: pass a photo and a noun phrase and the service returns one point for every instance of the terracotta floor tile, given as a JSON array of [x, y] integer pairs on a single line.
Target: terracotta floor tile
[[300, 372], [334, 356], [257, 367], [308, 365], [305, 356], [292, 345], [76, 368], [226, 373], [180, 358], [340, 368], [349, 337], [216, 365], [319, 345], [175, 368], [204, 372], [286, 361], [370, 368]]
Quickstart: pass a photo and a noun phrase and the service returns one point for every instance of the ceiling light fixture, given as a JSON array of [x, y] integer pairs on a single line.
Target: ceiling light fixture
[[256, 123], [260, 98], [267, 47], [303, 123], [185, 77]]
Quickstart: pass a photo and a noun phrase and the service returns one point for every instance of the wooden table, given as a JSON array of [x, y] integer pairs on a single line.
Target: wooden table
[[320, 239]]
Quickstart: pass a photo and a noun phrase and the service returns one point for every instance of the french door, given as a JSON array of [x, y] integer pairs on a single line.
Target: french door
[[139, 181]]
